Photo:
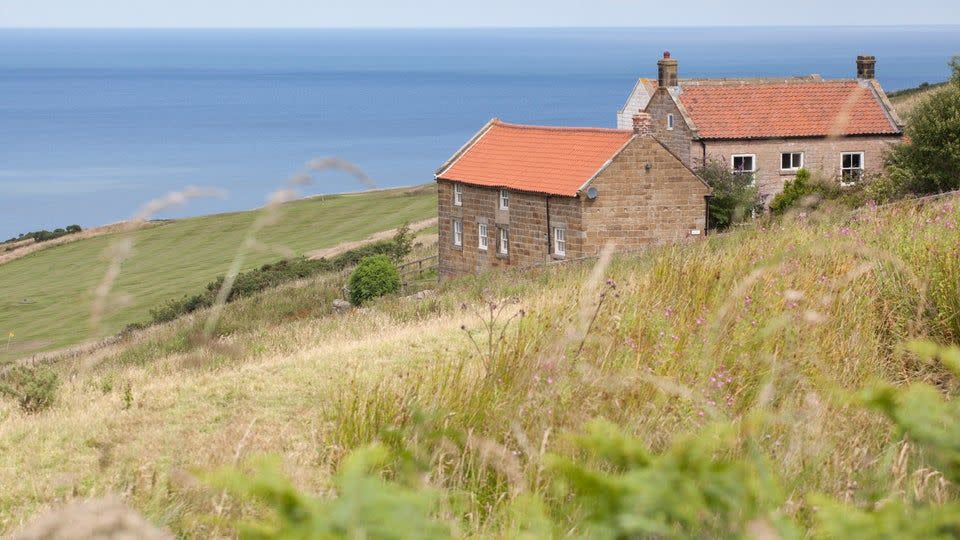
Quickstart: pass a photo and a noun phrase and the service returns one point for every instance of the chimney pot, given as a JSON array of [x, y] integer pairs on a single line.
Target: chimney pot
[[667, 71], [643, 124], [866, 66]]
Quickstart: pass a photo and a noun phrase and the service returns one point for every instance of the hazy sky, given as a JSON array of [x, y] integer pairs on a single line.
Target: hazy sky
[[457, 13]]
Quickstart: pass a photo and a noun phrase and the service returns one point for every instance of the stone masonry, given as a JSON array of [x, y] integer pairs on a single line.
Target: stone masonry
[[645, 196]]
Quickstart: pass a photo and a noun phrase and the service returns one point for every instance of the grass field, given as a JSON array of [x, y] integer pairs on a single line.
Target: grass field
[[795, 318], [45, 297]]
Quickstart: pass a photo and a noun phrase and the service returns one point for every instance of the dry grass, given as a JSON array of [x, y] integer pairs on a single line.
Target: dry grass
[[905, 103], [791, 320]]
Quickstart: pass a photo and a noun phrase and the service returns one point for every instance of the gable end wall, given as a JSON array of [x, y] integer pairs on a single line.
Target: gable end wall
[[637, 208], [679, 139]]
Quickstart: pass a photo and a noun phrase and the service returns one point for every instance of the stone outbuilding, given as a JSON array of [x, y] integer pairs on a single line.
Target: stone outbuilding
[[519, 195]]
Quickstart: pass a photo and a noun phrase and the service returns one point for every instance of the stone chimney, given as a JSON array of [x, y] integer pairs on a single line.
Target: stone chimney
[[643, 124], [866, 66], [667, 71]]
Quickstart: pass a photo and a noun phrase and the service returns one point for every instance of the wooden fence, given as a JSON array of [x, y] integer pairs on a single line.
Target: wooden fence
[[414, 269]]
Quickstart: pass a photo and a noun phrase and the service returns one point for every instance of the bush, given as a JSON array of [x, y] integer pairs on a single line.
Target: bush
[[807, 190], [930, 161], [373, 278], [734, 199], [35, 389]]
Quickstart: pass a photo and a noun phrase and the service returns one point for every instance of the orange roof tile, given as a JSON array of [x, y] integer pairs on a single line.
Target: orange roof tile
[[745, 111], [551, 160]]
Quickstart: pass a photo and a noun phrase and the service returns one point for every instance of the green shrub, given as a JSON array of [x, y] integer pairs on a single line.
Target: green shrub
[[735, 197], [34, 388], [374, 277], [930, 161], [810, 191]]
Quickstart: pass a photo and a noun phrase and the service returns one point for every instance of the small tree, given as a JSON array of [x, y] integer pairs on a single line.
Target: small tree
[[930, 161], [374, 277], [735, 196], [402, 243]]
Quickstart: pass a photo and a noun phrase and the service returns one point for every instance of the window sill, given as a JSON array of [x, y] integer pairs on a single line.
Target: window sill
[[456, 247], [505, 256], [558, 256]]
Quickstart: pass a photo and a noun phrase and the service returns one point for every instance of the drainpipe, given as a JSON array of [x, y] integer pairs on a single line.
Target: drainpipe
[[706, 213], [549, 241]]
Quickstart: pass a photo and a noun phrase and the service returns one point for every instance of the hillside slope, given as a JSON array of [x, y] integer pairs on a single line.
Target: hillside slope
[[45, 297], [793, 318], [905, 100]]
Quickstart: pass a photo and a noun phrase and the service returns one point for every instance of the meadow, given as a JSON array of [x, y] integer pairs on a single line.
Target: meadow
[[46, 297], [772, 329]]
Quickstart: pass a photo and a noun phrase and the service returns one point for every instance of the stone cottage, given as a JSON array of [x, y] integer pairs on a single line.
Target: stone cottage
[[518, 195], [771, 127]]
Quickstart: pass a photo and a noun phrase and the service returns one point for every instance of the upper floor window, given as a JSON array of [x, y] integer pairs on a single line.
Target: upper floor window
[[851, 167], [504, 199], [791, 161], [559, 241], [743, 163], [457, 232], [458, 194], [670, 121], [482, 236]]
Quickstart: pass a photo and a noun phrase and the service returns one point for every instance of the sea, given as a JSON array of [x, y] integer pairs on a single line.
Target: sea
[[96, 123]]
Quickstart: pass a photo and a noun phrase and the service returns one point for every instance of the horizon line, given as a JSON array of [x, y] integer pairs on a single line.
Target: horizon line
[[485, 27]]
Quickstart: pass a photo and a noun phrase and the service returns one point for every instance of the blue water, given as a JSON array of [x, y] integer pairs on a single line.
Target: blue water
[[93, 123]]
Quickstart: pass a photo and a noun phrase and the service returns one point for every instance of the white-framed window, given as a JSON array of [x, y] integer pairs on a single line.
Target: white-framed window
[[503, 246], [851, 167], [458, 194], [559, 241], [743, 163], [504, 199], [670, 121], [457, 232], [482, 236], [791, 161]]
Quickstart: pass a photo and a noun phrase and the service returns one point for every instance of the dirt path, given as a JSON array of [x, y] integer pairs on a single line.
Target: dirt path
[[382, 235]]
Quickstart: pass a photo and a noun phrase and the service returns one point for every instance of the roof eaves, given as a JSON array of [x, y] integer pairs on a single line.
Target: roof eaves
[[806, 136], [476, 137]]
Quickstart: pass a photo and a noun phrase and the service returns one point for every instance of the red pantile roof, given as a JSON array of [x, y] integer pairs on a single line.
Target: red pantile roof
[[551, 160], [745, 111]]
